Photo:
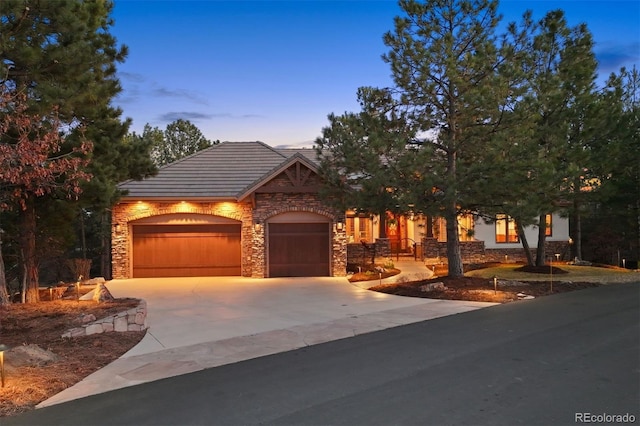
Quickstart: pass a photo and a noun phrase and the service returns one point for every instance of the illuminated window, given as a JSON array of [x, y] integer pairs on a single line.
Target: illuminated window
[[466, 225], [548, 231], [350, 229], [466, 228], [358, 228], [506, 229]]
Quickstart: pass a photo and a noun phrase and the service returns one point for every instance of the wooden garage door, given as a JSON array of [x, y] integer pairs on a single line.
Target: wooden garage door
[[186, 250], [299, 249]]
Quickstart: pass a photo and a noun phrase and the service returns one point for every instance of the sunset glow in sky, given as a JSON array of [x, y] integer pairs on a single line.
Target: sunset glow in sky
[[273, 70]]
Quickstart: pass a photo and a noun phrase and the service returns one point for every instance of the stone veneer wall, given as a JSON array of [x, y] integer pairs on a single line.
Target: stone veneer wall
[[268, 205], [475, 252], [125, 212], [358, 254]]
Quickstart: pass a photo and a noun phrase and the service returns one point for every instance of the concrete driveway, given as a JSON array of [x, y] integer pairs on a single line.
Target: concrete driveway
[[204, 322]]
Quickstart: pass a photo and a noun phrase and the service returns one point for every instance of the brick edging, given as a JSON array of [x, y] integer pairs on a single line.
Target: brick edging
[[134, 319]]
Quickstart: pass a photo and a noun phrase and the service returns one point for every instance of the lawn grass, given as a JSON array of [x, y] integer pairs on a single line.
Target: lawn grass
[[575, 273]]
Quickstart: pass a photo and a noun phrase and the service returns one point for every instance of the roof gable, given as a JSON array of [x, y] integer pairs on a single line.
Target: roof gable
[[295, 175], [229, 170]]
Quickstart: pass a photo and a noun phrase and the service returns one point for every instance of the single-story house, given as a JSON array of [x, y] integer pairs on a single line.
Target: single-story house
[[481, 240], [249, 209], [236, 208]]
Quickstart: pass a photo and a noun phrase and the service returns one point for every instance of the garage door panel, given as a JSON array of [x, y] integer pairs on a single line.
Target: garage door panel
[[186, 250], [299, 249]]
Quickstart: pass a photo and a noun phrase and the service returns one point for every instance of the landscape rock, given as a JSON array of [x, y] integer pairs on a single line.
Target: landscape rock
[[433, 286], [509, 283], [102, 294], [523, 296], [86, 318], [31, 355]]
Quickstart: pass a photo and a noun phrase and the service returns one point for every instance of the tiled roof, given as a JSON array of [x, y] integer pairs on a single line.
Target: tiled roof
[[222, 171]]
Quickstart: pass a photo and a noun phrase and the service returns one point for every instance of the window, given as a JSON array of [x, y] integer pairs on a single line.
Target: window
[[548, 231], [506, 229], [466, 228], [350, 229], [466, 225], [358, 228]]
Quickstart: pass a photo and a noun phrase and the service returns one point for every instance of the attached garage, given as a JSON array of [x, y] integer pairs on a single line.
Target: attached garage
[[185, 250], [236, 208], [299, 245]]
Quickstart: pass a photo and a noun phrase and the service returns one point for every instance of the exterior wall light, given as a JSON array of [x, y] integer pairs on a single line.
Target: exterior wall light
[[340, 226], [257, 226]]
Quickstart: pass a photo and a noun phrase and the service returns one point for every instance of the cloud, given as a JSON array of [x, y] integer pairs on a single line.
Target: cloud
[[163, 92], [296, 145], [185, 115], [195, 116], [132, 76], [235, 117], [613, 56], [128, 96]]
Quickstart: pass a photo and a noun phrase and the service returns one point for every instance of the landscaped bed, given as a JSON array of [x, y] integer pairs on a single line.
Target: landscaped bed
[[512, 282]]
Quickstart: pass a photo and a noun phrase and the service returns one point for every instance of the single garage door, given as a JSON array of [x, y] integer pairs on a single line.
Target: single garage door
[[299, 249], [186, 250]]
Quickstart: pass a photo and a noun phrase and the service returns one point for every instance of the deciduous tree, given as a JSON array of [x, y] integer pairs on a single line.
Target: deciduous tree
[[33, 164]]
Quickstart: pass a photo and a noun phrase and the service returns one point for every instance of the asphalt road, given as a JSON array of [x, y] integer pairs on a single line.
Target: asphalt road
[[539, 362]]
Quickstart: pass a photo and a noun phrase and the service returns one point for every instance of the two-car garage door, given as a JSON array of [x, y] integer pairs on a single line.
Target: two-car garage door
[[186, 250]]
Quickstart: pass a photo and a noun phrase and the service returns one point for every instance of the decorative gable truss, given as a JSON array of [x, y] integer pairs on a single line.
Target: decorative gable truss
[[297, 178]]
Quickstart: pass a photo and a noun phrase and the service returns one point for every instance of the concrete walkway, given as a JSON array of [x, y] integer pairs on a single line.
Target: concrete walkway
[[204, 322]]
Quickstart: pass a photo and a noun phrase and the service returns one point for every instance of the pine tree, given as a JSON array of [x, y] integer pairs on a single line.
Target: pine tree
[[559, 110], [62, 56], [180, 138], [457, 77]]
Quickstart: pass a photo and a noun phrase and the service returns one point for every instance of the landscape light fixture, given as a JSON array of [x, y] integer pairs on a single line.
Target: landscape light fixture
[[2, 349]]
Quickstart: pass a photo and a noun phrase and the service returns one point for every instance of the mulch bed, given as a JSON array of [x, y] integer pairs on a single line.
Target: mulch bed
[[480, 289]]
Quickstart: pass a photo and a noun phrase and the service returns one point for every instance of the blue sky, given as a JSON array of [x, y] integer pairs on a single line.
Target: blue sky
[[273, 70]]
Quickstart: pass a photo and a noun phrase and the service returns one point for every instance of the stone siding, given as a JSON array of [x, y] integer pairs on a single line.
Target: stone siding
[[252, 215], [359, 254], [435, 252], [268, 205], [124, 213]]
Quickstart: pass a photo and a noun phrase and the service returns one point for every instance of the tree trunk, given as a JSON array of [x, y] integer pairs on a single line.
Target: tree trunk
[[525, 244], [578, 235], [105, 238], [542, 237], [454, 257], [5, 300], [638, 229], [28, 236], [83, 235], [382, 224]]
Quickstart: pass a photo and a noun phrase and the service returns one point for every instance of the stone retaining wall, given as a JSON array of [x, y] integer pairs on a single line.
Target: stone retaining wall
[[134, 319]]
